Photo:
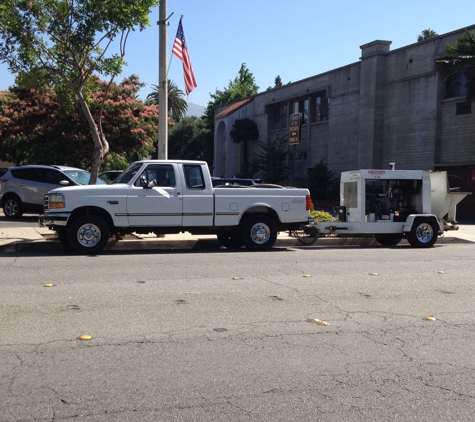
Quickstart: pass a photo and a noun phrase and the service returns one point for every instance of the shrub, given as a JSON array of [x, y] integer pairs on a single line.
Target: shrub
[[321, 216]]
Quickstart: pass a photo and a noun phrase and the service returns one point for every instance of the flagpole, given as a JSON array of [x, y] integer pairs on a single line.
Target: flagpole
[[162, 145]]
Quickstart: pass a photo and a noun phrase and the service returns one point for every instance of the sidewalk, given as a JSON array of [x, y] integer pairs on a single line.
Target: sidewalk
[[36, 239]]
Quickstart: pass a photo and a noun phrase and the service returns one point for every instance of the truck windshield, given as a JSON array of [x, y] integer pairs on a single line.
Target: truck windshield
[[128, 174]]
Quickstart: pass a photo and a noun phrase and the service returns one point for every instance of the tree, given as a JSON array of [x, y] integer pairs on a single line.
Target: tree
[[37, 127], [242, 86], [187, 140], [177, 105], [66, 42], [427, 34], [322, 183], [269, 163], [243, 131], [463, 59], [277, 83]]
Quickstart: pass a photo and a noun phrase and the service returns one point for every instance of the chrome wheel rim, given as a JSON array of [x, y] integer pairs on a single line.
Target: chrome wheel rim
[[424, 233], [260, 233], [89, 235]]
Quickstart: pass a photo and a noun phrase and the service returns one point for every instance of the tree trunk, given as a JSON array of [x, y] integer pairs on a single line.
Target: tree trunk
[[101, 146]]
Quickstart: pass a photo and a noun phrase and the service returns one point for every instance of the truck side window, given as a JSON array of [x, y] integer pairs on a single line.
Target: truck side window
[[162, 175], [194, 177]]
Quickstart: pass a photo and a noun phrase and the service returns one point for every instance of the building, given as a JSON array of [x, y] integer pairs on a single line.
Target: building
[[392, 106]]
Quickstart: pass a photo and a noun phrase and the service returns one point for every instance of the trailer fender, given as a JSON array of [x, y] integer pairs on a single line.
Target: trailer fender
[[407, 226]]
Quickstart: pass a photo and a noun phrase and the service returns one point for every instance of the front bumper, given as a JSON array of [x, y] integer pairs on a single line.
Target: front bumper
[[52, 219]]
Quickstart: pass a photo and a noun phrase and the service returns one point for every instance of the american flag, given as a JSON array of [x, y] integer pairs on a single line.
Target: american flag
[[181, 51]]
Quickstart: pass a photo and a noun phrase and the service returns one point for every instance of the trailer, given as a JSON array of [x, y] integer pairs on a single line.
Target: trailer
[[417, 205]]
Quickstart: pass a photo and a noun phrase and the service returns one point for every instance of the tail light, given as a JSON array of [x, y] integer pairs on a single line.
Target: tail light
[[3, 180], [308, 203]]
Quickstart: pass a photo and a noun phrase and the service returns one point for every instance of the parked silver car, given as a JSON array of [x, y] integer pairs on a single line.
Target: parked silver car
[[22, 188]]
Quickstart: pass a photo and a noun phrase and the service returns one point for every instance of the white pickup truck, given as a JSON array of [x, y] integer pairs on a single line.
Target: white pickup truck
[[172, 196]]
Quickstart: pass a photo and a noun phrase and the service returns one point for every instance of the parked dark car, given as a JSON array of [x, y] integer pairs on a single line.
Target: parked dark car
[[110, 175], [22, 188], [234, 181]]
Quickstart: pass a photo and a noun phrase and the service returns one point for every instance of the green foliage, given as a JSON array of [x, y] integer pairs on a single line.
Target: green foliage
[[427, 34], [269, 163], [67, 42], [321, 216], [243, 131], [322, 183], [463, 53], [36, 128], [242, 86], [189, 140], [177, 105]]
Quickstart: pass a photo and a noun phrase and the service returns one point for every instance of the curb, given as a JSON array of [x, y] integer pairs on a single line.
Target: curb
[[199, 243]]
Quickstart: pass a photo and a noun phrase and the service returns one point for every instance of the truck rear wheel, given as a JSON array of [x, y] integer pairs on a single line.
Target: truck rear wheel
[[230, 240], [388, 239], [259, 233], [88, 235], [424, 233]]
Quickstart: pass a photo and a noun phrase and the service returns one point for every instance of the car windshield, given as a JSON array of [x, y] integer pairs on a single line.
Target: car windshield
[[82, 177], [128, 174]]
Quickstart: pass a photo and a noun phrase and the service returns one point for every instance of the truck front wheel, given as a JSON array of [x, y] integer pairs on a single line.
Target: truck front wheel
[[424, 233], [259, 233], [88, 235]]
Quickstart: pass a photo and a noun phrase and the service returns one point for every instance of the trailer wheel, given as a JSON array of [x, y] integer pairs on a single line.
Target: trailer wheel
[[230, 240], [388, 239], [88, 235], [424, 233], [259, 233]]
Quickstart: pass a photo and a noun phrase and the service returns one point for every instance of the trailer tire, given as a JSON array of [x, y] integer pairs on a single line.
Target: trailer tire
[[88, 235], [424, 233], [388, 239], [230, 240], [259, 233]]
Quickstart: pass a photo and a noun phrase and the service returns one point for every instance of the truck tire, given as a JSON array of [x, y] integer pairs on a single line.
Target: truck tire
[[424, 233], [88, 235], [12, 207], [63, 237], [230, 240], [388, 239], [259, 233]]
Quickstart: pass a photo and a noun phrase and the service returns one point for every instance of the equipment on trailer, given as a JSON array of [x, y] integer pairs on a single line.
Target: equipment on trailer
[[394, 204]]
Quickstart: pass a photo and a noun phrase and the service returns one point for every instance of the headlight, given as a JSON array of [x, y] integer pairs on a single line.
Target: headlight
[[56, 200]]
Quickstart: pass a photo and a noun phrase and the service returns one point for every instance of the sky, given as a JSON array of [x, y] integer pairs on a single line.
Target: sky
[[292, 39]]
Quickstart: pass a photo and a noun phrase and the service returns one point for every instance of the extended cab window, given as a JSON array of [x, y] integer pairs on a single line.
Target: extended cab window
[[194, 177]]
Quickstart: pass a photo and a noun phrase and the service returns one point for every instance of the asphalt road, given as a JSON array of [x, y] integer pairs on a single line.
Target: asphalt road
[[237, 336]]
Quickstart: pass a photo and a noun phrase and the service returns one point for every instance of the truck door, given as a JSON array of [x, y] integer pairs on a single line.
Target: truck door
[[154, 199], [198, 199]]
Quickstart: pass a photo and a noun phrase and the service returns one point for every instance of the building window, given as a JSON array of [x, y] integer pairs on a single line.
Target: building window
[[322, 108], [301, 107], [456, 85], [279, 120], [463, 108]]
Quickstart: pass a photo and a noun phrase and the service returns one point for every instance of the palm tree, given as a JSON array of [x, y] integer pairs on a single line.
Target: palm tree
[[244, 130], [463, 54], [427, 34], [177, 104]]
